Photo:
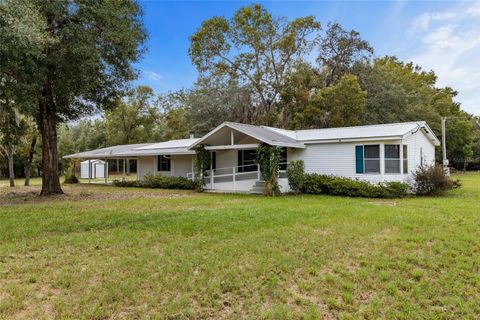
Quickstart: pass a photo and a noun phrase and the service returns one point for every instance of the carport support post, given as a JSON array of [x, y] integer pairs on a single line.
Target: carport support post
[[105, 171], [211, 172], [89, 170]]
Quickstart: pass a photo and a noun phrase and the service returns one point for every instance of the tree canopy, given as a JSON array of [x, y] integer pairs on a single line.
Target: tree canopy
[[256, 49], [80, 54]]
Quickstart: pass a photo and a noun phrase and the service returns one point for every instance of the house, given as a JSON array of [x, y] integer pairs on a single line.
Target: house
[[375, 153]]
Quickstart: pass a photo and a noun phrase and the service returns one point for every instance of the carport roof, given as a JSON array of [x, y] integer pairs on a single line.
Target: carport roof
[[133, 150]]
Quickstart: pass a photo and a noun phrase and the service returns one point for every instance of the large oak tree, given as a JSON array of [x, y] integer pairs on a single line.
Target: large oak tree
[[82, 61], [256, 49]]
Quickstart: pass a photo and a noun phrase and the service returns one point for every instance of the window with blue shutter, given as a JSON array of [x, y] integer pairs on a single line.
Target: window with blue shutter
[[359, 158]]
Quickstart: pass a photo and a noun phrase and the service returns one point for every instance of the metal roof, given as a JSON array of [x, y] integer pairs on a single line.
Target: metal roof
[[269, 135], [359, 132], [179, 147], [108, 152], [261, 133]]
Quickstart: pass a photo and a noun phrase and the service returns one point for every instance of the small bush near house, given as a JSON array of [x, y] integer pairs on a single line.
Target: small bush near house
[[332, 185], [296, 175], [168, 182], [70, 177], [431, 180], [160, 182], [125, 183]]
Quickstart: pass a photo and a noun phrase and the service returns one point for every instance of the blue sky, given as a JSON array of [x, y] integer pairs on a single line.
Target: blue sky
[[440, 35]]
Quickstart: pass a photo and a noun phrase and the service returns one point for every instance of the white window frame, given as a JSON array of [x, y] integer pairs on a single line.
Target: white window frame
[[379, 159], [399, 159]]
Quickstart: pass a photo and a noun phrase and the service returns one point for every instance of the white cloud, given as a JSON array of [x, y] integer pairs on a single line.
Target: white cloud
[[449, 44], [423, 21], [152, 75], [474, 10]]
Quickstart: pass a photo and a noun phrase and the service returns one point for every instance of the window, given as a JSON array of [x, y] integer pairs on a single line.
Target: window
[[246, 160], [371, 158], [392, 158], [367, 158], [405, 158], [283, 161], [163, 163]]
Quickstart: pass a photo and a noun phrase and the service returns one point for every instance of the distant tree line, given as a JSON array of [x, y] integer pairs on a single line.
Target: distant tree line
[[253, 68]]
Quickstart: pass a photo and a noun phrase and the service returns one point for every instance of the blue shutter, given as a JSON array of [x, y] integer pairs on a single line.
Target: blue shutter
[[359, 158]]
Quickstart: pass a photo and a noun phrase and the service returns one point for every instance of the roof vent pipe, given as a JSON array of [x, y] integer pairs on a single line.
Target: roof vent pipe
[[192, 136]]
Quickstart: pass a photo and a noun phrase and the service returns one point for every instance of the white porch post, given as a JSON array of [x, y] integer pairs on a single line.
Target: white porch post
[[124, 162], [105, 171], [211, 171], [258, 172], [382, 159], [401, 157], [234, 183], [89, 170]]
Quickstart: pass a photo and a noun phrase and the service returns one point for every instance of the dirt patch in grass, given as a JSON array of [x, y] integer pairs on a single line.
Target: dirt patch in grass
[[388, 203], [29, 195]]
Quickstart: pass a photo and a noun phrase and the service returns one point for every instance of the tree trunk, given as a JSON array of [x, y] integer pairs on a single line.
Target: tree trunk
[[48, 129], [28, 169], [11, 174]]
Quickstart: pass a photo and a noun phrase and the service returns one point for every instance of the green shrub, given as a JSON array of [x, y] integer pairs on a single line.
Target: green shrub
[[70, 178], [431, 180], [295, 175], [268, 158], [332, 185], [160, 182], [163, 182], [126, 183]]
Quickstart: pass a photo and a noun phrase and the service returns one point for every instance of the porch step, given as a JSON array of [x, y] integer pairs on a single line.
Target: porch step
[[258, 187]]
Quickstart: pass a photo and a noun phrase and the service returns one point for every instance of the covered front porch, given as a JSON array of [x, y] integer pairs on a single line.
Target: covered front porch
[[233, 166]]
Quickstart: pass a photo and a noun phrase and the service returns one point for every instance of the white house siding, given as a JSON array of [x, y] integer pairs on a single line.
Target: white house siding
[[419, 144], [145, 165], [181, 165], [339, 159]]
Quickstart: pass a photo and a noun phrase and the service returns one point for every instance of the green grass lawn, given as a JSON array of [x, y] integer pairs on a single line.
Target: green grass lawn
[[112, 253]]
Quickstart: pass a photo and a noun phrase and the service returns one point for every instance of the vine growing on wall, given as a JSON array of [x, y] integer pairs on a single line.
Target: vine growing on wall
[[202, 165], [269, 158]]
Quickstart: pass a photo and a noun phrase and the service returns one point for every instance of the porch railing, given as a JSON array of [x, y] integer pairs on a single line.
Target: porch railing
[[235, 174]]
